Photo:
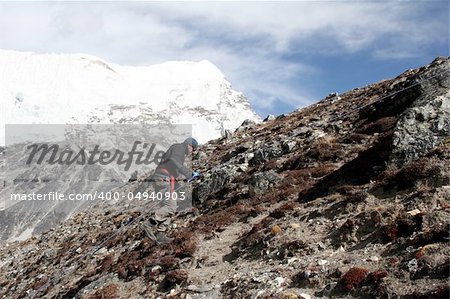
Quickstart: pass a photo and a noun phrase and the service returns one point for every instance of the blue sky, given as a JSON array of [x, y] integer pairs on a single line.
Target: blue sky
[[281, 55]]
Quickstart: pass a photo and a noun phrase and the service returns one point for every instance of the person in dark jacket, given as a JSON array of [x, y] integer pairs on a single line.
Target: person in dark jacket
[[171, 167], [172, 162]]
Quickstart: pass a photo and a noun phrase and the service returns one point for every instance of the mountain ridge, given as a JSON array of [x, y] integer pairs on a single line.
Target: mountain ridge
[[79, 88]]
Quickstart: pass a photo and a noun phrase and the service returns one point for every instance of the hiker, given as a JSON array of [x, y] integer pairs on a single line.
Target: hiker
[[171, 167]]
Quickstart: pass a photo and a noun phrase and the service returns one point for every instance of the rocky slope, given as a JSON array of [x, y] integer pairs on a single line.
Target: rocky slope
[[347, 198]]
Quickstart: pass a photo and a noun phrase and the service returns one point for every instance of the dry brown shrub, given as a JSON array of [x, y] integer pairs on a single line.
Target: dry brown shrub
[[173, 278], [107, 292], [353, 278]]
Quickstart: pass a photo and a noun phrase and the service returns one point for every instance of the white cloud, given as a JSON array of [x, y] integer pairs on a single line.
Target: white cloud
[[247, 40]]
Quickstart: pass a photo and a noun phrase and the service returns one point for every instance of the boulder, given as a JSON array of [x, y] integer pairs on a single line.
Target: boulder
[[246, 124], [215, 181], [425, 124], [262, 182], [288, 146], [269, 118], [266, 152]]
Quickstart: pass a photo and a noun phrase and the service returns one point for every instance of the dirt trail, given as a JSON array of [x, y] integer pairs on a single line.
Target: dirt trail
[[210, 268]]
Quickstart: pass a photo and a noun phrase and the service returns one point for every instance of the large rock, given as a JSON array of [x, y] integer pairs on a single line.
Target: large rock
[[262, 182], [246, 125], [269, 118], [215, 181], [266, 152], [426, 123]]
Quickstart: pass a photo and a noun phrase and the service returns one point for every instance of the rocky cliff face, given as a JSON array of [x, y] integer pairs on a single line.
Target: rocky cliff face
[[346, 198]]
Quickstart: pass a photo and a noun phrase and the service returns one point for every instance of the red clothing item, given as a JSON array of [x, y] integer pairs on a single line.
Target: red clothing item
[[172, 180]]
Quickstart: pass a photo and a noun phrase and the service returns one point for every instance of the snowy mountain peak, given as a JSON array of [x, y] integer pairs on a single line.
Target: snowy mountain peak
[[80, 88]]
